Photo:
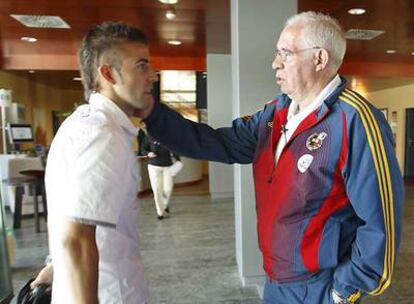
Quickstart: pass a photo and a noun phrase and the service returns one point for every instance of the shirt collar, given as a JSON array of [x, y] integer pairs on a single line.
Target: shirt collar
[[327, 90], [99, 101]]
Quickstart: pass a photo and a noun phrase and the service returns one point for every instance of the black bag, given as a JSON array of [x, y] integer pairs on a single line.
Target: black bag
[[35, 296]]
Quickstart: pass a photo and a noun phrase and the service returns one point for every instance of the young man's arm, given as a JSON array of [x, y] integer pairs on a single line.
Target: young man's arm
[[45, 276], [81, 261]]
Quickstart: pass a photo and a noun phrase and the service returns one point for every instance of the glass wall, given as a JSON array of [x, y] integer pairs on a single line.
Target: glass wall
[[178, 90], [5, 276]]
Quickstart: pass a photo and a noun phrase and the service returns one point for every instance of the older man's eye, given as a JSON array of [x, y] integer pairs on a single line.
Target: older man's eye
[[142, 66]]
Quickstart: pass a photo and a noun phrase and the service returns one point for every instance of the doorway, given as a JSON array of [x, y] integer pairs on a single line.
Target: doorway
[[409, 144]]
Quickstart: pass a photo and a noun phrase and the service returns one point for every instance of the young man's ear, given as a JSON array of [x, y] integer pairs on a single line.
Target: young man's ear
[[321, 59], [107, 73]]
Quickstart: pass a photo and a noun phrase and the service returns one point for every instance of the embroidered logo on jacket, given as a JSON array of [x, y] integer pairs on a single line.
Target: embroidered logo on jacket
[[304, 162], [270, 124], [314, 142]]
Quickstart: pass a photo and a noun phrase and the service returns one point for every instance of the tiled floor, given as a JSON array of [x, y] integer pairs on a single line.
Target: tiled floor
[[190, 257]]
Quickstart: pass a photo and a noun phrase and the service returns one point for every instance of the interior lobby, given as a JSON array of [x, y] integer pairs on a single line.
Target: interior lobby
[[213, 59]]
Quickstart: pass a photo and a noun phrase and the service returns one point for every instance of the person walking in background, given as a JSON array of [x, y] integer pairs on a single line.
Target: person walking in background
[[329, 191], [160, 159]]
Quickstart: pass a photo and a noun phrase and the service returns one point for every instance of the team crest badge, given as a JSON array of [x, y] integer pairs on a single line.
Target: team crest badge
[[315, 141]]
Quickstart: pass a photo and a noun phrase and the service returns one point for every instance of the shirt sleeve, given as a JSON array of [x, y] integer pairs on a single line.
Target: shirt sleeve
[[375, 189], [235, 144], [96, 178]]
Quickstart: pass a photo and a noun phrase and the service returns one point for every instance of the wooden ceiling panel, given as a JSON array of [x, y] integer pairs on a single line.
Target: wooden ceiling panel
[[393, 17], [189, 27], [202, 25]]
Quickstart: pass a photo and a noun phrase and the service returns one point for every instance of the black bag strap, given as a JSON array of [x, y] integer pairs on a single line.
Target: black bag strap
[[35, 296], [24, 293], [40, 296]]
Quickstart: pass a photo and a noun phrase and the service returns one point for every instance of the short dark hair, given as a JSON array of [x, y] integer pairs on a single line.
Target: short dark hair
[[101, 40]]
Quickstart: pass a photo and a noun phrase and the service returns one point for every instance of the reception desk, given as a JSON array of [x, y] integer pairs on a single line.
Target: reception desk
[[190, 173], [11, 166]]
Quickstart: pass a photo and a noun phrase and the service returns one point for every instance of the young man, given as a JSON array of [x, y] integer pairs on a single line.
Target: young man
[[91, 178], [329, 191]]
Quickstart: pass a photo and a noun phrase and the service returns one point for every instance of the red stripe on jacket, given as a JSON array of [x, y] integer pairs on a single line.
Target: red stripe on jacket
[[336, 200]]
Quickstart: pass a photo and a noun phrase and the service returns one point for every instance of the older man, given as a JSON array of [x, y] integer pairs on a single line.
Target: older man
[[329, 191], [91, 181]]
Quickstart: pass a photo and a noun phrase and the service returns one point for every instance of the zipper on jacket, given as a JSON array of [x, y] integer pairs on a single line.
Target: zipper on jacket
[[270, 178]]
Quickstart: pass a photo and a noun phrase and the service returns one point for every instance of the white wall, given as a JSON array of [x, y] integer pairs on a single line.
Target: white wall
[[395, 99], [219, 100], [191, 171]]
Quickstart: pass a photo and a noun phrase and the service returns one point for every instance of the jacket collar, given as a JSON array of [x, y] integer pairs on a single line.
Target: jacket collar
[[284, 101]]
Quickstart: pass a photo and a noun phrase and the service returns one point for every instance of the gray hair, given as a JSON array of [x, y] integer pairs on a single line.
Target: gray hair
[[323, 31]]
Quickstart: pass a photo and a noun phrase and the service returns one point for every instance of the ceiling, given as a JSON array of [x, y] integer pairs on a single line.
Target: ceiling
[[395, 17], [59, 46], [203, 26]]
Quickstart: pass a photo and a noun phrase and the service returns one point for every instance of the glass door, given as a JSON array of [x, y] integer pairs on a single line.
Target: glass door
[[6, 291]]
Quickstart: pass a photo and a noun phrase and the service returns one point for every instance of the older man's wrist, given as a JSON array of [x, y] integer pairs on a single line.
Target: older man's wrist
[[338, 298]]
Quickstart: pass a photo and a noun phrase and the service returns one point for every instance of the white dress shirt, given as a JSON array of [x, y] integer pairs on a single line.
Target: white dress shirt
[[91, 177], [295, 117]]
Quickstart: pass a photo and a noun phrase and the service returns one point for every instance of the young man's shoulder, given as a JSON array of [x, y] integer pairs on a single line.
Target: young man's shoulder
[[87, 120], [86, 126]]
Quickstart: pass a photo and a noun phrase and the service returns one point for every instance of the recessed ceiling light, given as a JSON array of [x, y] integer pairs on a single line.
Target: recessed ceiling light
[[390, 51], [362, 34], [77, 78], [357, 11], [174, 42], [168, 1], [32, 71], [170, 14], [41, 21], [412, 53], [28, 39]]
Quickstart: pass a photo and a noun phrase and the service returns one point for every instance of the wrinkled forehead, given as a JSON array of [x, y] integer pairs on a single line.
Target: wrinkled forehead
[[290, 37]]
